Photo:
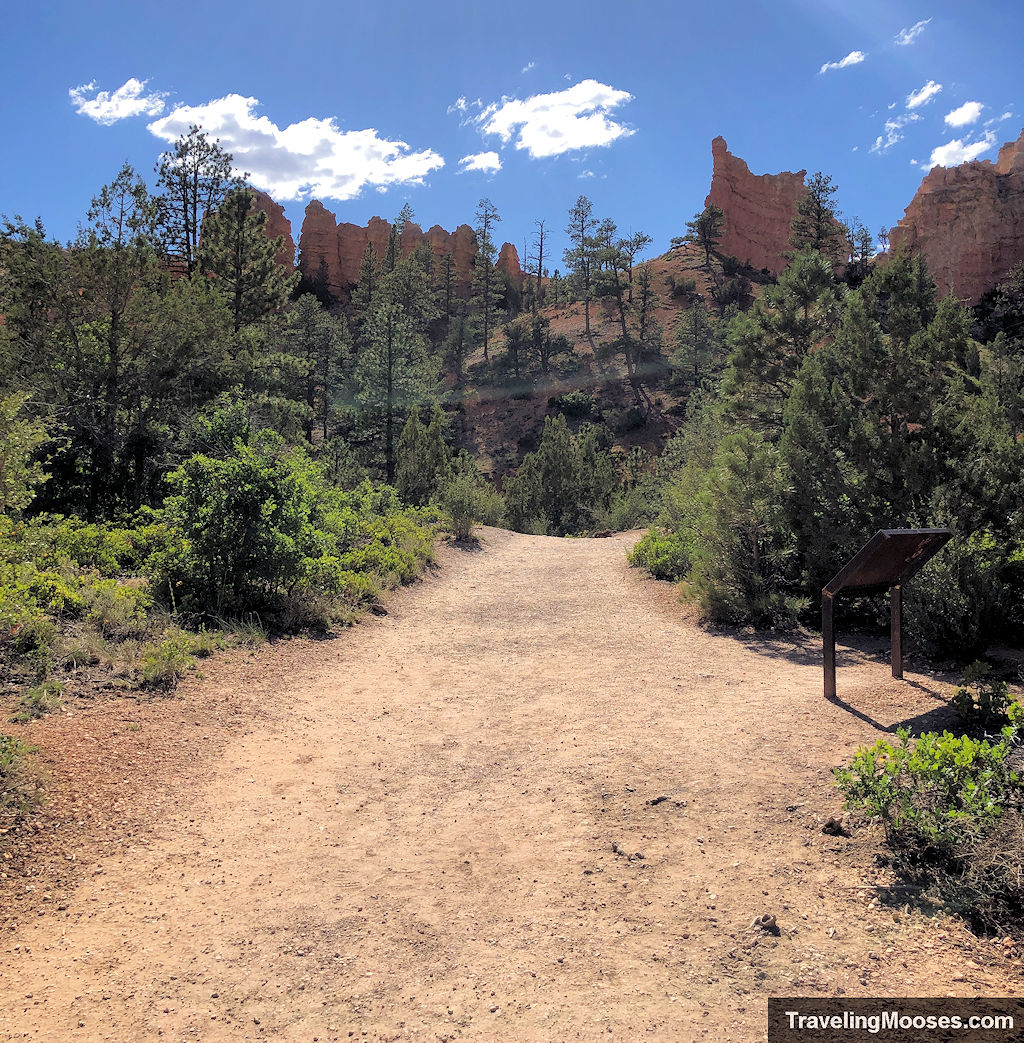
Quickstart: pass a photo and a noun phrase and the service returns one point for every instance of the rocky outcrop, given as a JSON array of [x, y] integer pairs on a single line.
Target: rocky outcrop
[[338, 248], [277, 225], [759, 209], [968, 222], [508, 262], [318, 245]]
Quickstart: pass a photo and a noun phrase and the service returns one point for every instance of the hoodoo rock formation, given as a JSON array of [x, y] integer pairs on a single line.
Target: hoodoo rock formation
[[277, 224], [337, 249], [508, 262], [968, 222], [759, 209]]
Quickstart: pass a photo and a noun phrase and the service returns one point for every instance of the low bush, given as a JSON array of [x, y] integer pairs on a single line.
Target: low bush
[[38, 702], [118, 609], [951, 810], [20, 790], [964, 597], [163, 663], [664, 554], [577, 403]]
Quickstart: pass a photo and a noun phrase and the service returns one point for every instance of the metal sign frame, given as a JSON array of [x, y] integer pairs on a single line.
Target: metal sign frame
[[886, 561]]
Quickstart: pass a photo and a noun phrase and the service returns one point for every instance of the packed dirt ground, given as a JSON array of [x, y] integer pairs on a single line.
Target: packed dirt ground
[[533, 802]]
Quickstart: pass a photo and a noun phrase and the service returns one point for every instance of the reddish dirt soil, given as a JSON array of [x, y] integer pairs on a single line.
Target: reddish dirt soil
[[431, 828]]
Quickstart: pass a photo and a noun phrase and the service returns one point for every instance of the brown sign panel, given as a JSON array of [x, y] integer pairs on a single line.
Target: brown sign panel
[[890, 557]]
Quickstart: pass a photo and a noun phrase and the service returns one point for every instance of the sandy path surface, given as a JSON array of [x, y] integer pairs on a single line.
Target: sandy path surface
[[533, 802]]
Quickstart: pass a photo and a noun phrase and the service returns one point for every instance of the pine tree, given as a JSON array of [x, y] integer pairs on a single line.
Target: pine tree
[[486, 287], [364, 296], [393, 375], [706, 230], [422, 458], [695, 345], [580, 257], [321, 343], [769, 343], [817, 223], [195, 176], [238, 255]]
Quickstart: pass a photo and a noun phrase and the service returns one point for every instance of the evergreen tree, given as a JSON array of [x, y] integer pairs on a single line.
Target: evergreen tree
[[743, 546], [393, 375], [535, 267], [612, 282], [486, 288], [239, 256], [706, 230], [817, 224], [321, 344], [580, 257], [695, 345], [195, 176], [768, 343], [364, 296], [423, 458], [563, 485]]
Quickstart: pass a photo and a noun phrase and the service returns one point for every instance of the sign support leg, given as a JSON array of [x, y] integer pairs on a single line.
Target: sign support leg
[[896, 597], [828, 638]]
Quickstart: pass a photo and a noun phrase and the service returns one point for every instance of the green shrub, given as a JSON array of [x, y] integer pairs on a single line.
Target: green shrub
[[936, 789], [960, 600], [39, 701], [577, 403], [463, 500], [19, 790], [665, 555], [163, 663], [117, 609], [950, 809], [246, 525]]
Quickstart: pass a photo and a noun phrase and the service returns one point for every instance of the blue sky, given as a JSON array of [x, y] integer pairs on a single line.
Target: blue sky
[[367, 107]]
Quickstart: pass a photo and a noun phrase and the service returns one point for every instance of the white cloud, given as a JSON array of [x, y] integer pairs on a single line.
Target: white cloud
[[923, 95], [893, 131], [585, 174], [907, 36], [459, 105], [550, 124], [311, 157], [965, 114], [528, 66], [853, 58], [108, 107], [955, 152], [488, 162]]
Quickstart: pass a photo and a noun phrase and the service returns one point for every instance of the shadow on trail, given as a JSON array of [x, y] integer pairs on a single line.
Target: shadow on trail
[[939, 718], [878, 702]]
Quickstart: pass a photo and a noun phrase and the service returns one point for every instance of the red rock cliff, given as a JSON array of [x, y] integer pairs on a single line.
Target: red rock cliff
[[277, 224], [968, 222], [341, 246], [759, 209]]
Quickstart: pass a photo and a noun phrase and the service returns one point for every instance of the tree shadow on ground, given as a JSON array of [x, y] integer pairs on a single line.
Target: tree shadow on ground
[[470, 545]]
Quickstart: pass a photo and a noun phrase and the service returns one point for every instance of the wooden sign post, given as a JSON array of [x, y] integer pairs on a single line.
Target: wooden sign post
[[886, 561]]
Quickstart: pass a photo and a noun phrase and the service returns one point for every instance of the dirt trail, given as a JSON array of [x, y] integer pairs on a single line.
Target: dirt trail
[[434, 830]]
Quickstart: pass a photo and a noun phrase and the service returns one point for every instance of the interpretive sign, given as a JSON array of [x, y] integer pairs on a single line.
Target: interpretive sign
[[885, 562]]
